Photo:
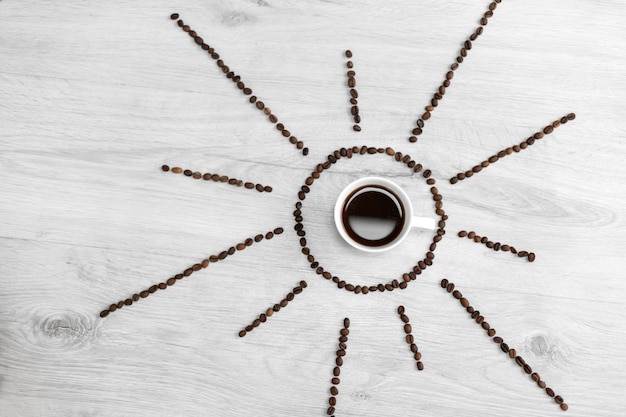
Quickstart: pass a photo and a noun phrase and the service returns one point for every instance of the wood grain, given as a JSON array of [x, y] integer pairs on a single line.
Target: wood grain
[[94, 98]]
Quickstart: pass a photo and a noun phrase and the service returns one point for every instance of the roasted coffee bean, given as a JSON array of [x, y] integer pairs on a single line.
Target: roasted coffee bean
[[356, 128], [407, 328], [558, 399], [528, 369], [550, 392], [504, 347], [457, 294], [512, 353], [531, 257], [420, 366], [161, 286], [564, 406]]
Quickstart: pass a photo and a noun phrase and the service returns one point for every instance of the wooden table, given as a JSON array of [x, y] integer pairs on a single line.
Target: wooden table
[[96, 96]]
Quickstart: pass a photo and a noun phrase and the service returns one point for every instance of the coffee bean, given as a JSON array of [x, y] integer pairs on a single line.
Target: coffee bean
[[104, 313], [531, 257], [564, 406], [346, 323], [504, 347], [558, 399], [528, 369], [348, 53], [548, 129], [407, 328], [520, 361], [550, 392], [420, 366], [356, 128], [162, 286], [444, 283], [336, 371]]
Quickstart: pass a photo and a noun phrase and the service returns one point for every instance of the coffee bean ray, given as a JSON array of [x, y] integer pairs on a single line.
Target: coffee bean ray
[[187, 272], [512, 149], [497, 246], [246, 90], [504, 347], [274, 309], [207, 176], [441, 91]]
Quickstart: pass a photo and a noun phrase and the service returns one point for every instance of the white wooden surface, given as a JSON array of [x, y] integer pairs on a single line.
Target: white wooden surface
[[95, 96]]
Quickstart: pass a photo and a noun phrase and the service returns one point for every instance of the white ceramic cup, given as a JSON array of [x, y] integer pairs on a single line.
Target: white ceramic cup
[[384, 186]]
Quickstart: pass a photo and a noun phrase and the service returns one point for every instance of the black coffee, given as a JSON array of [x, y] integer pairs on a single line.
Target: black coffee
[[373, 215]]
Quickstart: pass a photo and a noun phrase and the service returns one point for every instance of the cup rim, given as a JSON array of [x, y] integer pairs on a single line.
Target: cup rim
[[406, 202]]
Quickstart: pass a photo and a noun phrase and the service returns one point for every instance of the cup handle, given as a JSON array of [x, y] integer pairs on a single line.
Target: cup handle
[[423, 223]]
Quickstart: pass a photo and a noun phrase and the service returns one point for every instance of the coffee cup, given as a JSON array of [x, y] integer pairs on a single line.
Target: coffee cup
[[374, 214]]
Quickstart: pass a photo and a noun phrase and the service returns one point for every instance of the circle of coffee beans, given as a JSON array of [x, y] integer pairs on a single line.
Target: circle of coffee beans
[[479, 319], [441, 91], [348, 153], [236, 79], [194, 268]]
